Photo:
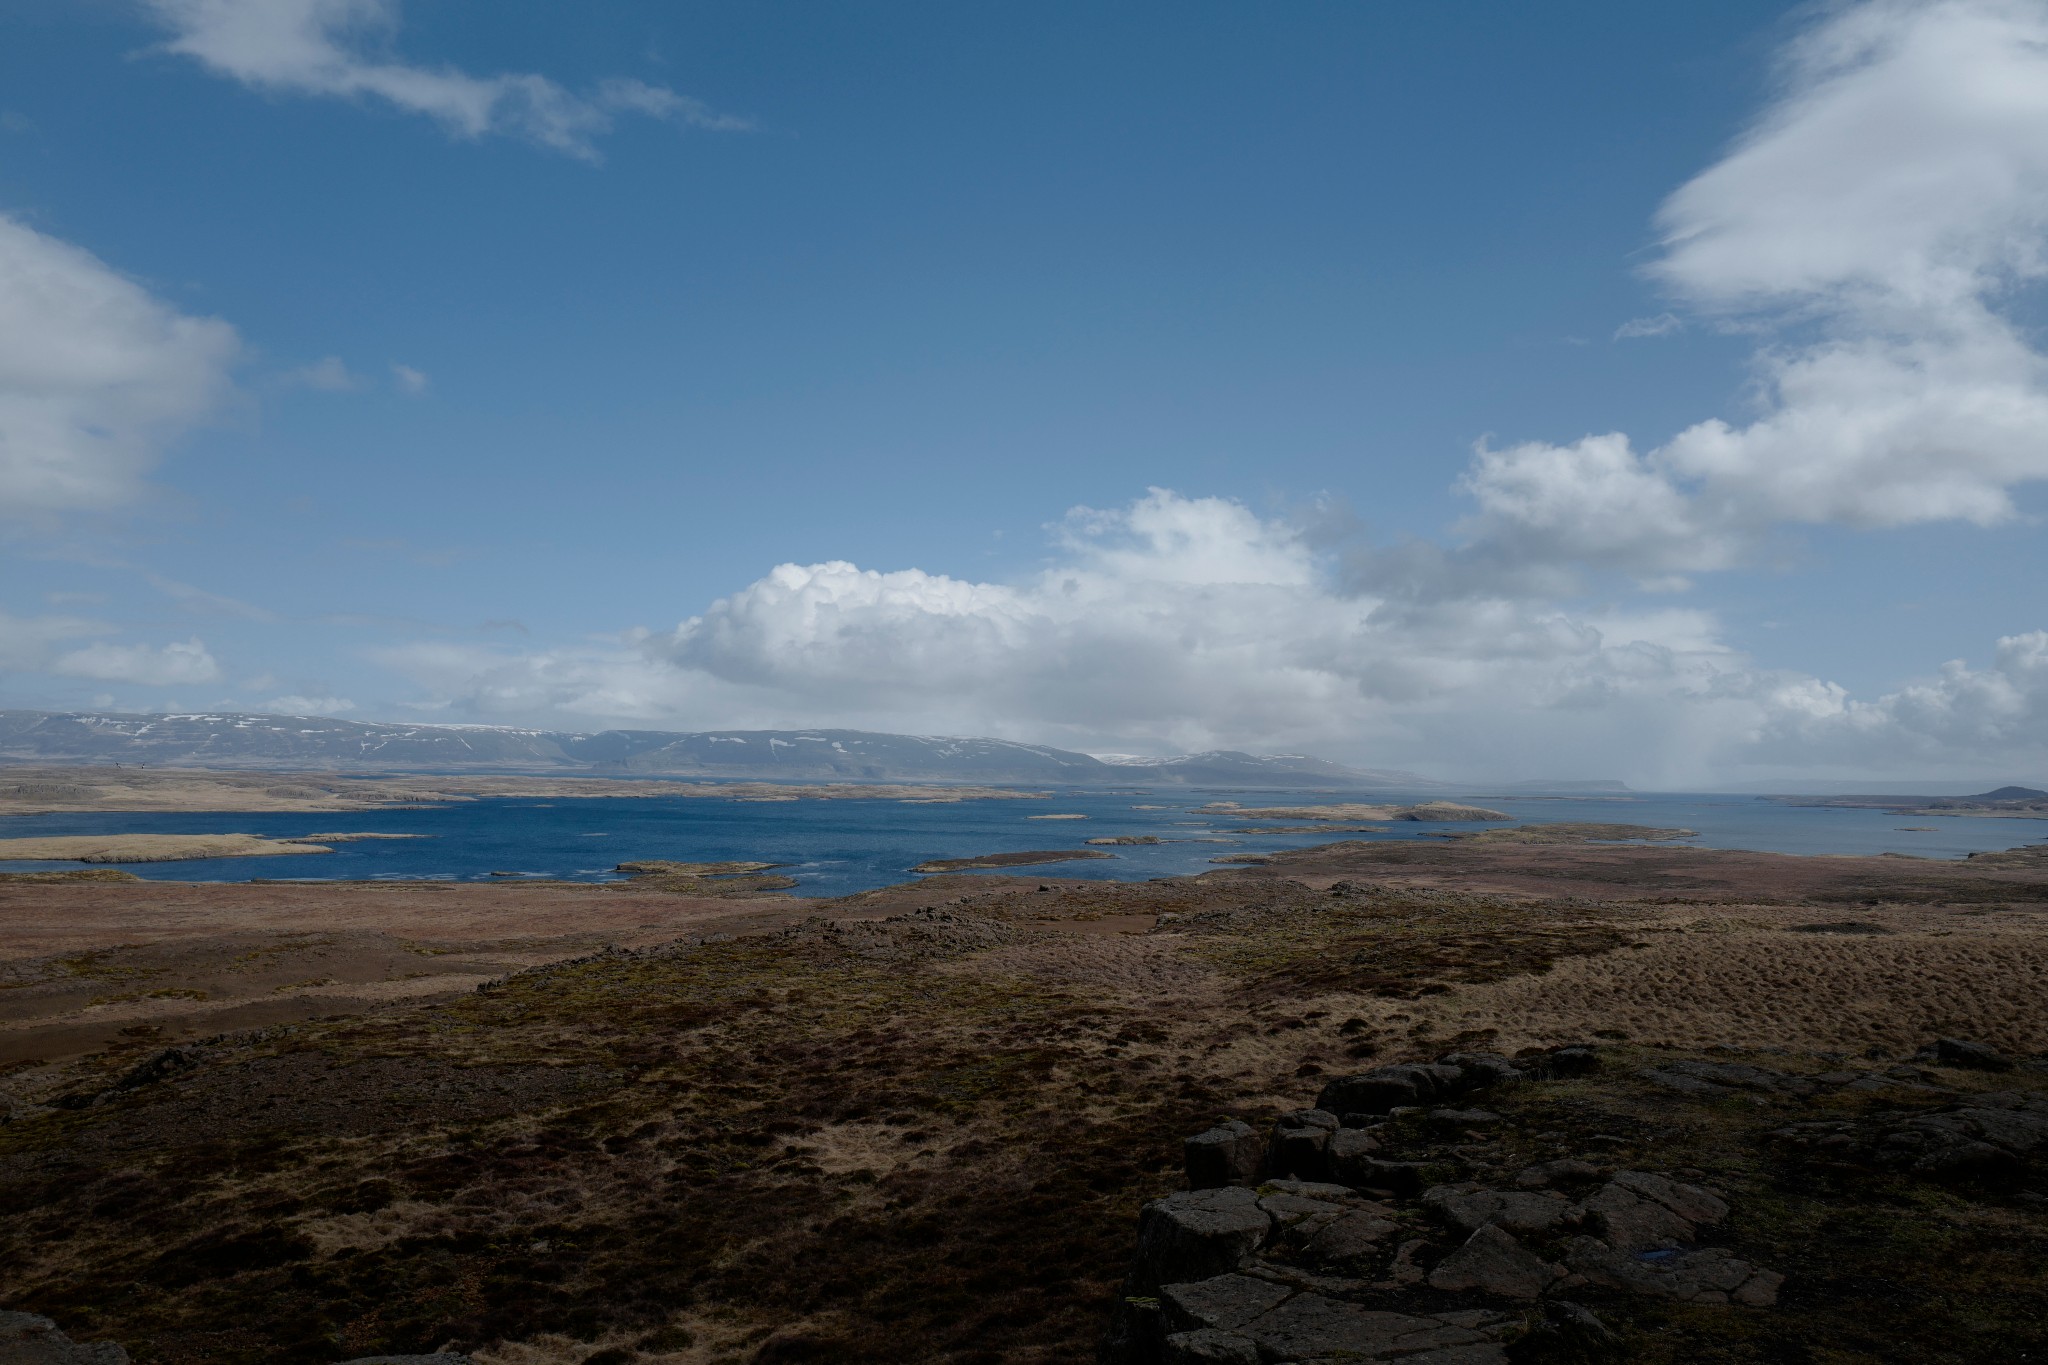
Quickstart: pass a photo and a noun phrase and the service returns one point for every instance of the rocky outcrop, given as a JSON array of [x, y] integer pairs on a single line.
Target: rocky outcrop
[[1322, 1243], [1990, 1137], [1231, 1153], [26, 1339]]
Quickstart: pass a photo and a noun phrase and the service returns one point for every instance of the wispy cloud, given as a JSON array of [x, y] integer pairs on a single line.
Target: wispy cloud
[[1662, 325], [146, 665], [341, 48], [408, 379], [327, 375], [201, 602]]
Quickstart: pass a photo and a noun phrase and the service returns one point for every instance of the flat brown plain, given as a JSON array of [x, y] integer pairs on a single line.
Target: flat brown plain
[[910, 1125]]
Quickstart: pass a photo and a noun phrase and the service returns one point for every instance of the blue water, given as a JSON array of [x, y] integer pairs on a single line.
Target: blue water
[[838, 847]]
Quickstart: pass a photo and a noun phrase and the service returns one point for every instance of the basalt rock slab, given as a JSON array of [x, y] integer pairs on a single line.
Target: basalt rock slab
[[1300, 1143], [26, 1339], [1707, 1275], [1492, 1262], [1311, 1326], [1639, 1211], [1355, 1235], [1208, 1346], [1469, 1208], [1194, 1235], [1224, 1302], [1231, 1153], [1989, 1140], [1348, 1153]]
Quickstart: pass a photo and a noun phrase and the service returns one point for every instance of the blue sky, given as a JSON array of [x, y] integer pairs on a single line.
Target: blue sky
[[445, 360]]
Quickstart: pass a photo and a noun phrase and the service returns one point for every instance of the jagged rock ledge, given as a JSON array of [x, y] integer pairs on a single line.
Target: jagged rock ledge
[[1318, 1240]]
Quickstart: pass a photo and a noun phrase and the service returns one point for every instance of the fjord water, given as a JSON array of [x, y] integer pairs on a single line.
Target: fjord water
[[838, 847]]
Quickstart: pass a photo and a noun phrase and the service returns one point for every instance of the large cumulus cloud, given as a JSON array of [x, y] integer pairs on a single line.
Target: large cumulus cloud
[[1877, 229], [97, 375]]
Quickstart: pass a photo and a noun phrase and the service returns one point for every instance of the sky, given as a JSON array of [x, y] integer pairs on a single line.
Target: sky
[[1499, 391]]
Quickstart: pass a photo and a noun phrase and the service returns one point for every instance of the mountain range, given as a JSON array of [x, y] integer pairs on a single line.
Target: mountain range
[[241, 740]]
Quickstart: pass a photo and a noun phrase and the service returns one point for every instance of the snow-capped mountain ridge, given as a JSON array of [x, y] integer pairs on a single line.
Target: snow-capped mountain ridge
[[243, 740]]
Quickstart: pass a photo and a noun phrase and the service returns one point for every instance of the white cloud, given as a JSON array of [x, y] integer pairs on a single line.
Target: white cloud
[[1998, 715], [328, 375], [325, 47], [408, 379], [295, 705], [145, 665], [1179, 623], [1875, 227], [1173, 623], [96, 377]]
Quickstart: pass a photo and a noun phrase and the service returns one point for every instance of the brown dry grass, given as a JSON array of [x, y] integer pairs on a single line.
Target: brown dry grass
[[1734, 981]]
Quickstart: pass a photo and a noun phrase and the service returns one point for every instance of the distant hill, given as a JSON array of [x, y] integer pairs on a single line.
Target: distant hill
[[1228, 767], [855, 755], [239, 740], [2012, 800]]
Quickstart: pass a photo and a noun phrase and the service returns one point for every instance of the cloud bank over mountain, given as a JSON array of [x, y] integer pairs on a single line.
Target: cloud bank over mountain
[[1185, 624]]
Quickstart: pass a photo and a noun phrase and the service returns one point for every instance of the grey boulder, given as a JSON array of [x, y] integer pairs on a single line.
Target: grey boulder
[[1960, 1052]]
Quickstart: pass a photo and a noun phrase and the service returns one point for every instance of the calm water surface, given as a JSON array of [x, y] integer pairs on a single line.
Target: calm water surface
[[837, 847]]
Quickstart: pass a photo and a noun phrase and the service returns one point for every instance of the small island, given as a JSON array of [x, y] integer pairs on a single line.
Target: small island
[[1446, 811], [148, 848], [995, 860]]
